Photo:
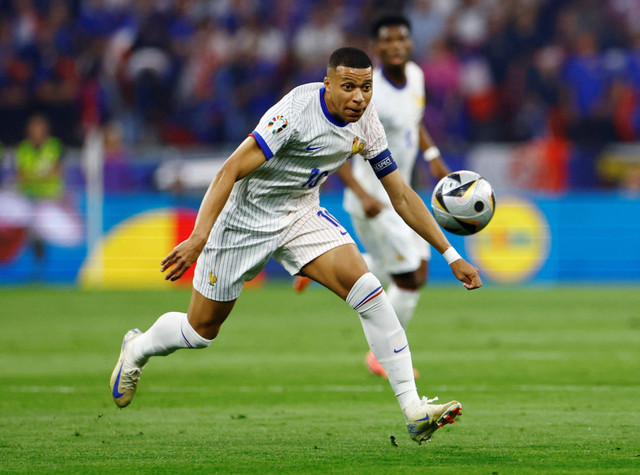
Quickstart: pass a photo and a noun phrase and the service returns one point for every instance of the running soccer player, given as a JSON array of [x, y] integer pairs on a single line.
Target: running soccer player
[[264, 203], [395, 253]]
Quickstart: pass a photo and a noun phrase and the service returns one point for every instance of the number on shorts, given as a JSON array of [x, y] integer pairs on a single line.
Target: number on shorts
[[323, 213]]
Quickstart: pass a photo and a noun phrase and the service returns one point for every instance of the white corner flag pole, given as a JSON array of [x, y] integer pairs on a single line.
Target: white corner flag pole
[[93, 158]]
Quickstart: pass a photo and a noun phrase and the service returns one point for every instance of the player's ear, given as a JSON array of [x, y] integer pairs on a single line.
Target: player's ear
[[326, 82]]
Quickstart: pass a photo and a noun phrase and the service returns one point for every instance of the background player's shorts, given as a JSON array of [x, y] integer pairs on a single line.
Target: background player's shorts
[[233, 256], [394, 247]]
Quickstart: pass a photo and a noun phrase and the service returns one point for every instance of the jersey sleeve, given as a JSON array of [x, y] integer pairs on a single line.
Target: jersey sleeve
[[377, 152], [375, 136], [276, 127]]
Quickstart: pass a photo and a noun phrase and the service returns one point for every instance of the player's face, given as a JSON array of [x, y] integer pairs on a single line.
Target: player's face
[[348, 92], [393, 45]]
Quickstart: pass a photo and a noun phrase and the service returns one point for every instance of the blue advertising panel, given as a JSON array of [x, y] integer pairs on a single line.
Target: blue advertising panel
[[549, 239]]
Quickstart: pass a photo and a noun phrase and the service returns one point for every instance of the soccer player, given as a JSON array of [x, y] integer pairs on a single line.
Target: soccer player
[[395, 252], [264, 203]]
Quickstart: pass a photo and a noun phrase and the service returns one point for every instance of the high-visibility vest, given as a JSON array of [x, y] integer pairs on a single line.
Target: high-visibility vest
[[35, 165]]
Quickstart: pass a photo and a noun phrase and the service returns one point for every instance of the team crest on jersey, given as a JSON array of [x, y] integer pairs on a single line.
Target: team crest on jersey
[[357, 146], [278, 124], [212, 279]]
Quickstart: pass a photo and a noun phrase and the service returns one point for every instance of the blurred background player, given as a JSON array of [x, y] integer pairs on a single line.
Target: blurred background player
[[395, 253], [265, 203]]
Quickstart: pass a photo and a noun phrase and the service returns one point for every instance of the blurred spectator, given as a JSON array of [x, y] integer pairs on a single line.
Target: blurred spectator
[[57, 85], [191, 72], [586, 85], [16, 77], [429, 23], [39, 162], [118, 173], [444, 107], [52, 219], [314, 42], [469, 23]]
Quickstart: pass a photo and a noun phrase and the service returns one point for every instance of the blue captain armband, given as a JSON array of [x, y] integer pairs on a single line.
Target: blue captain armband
[[383, 164]]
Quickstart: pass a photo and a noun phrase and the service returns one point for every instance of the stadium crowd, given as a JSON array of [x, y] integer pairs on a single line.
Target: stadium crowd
[[202, 72]]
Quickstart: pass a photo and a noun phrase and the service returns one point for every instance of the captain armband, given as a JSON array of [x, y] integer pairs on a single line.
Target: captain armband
[[383, 164]]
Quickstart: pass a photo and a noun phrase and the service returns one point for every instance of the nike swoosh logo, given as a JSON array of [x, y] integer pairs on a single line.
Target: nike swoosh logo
[[425, 418], [398, 351], [342, 233], [311, 149], [116, 394]]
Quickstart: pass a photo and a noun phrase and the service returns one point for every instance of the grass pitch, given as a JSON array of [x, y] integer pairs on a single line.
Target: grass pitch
[[548, 379]]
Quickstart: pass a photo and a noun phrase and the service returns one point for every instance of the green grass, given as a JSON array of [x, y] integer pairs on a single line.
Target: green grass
[[549, 381]]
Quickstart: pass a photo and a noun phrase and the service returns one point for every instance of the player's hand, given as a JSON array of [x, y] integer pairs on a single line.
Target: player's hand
[[467, 274], [371, 206], [180, 259]]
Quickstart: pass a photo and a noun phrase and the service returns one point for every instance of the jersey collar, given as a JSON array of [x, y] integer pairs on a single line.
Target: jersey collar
[[393, 84], [327, 114]]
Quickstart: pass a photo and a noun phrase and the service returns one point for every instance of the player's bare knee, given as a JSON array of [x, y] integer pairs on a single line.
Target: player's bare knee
[[208, 333], [205, 326], [207, 316]]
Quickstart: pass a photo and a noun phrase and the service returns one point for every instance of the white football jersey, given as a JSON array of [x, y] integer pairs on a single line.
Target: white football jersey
[[400, 110], [303, 144]]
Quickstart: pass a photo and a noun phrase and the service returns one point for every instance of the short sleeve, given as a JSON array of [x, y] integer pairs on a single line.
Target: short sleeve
[[374, 134], [275, 128]]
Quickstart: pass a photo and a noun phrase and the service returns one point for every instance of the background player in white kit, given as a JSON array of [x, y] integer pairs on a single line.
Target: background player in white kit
[[395, 253], [264, 203]]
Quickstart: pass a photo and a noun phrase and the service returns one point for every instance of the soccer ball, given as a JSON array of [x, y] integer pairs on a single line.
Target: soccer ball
[[463, 202]]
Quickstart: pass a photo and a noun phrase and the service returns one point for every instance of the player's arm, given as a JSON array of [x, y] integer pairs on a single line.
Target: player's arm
[[431, 154], [415, 213], [246, 158], [370, 204]]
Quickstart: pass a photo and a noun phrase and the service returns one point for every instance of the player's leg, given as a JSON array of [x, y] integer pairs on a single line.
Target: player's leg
[[343, 271], [301, 282], [339, 269], [404, 292], [318, 246], [240, 258], [176, 330], [171, 332], [398, 258]]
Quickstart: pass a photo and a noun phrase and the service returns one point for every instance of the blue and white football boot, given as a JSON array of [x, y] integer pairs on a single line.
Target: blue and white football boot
[[125, 376], [425, 418]]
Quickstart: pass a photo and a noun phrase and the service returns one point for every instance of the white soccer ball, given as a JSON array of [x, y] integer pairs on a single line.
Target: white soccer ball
[[463, 202]]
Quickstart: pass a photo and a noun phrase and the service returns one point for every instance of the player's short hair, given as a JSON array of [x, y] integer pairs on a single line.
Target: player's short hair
[[349, 57], [388, 20]]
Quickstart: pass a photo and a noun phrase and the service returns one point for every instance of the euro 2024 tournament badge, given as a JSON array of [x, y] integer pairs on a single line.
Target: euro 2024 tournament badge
[[278, 124]]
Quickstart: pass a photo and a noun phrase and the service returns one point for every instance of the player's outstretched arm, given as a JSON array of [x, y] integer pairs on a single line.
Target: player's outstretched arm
[[370, 204], [246, 158], [415, 213]]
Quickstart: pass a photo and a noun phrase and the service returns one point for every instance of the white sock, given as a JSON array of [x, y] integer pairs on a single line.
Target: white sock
[[404, 302], [169, 333], [385, 336]]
